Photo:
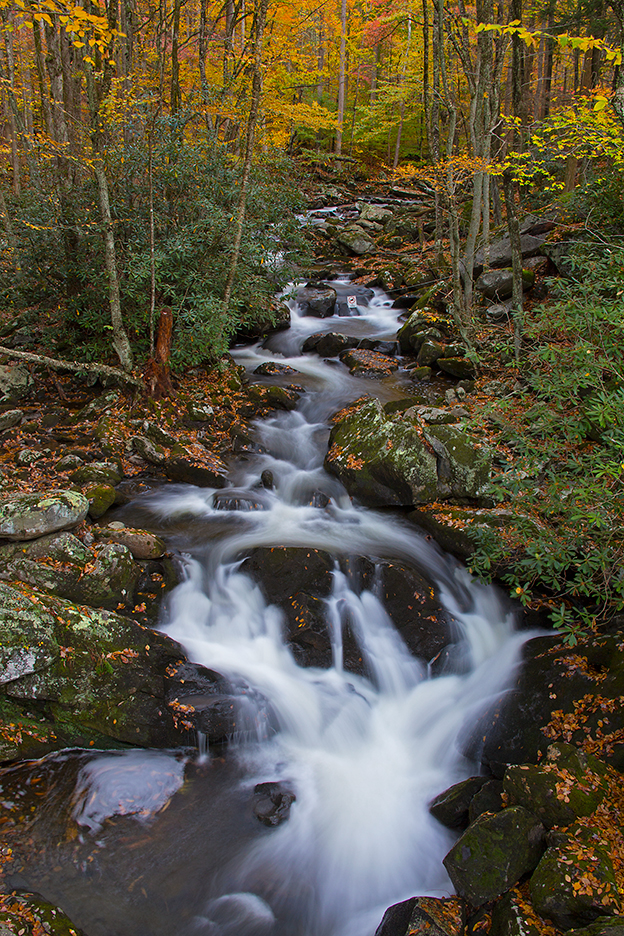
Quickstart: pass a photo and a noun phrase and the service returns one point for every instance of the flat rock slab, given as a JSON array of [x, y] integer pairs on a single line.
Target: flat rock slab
[[28, 516]]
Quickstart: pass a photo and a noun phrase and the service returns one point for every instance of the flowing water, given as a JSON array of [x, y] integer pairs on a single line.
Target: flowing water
[[363, 754]]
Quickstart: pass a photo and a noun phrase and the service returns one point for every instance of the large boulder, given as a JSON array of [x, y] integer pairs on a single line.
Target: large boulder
[[559, 694], [397, 460], [15, 382], [494, 853], [423, 324], [72, 675], [317, 300], [424, 916], [498, 284], [355, 240], [500, 251], [27, 516]]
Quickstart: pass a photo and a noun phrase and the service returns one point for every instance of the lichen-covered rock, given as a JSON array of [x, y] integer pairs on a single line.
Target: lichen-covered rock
[[575, 882], [424, 916], [27, 516], [463, 467], [10, 418], [141, 543], [151, 452], [101, 497], [494, 853], [356, 240], [567, 785], [451, 807], [392, 460], [97, 473], [94, 671], [15, 381], [32, 915]]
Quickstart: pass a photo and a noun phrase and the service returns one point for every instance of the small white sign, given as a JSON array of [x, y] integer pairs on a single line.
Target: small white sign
[[352, 302]]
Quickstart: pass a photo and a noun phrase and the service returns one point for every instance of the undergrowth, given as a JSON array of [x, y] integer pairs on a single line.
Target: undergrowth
[[566, 433]]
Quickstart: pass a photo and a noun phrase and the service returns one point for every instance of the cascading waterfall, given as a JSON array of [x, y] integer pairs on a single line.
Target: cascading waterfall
[[363, 754]]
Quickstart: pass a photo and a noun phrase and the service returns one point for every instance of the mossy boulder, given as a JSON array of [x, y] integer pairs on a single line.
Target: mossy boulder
[[103, 577], [32, 915], [459, 367], [559, 693], [28, 516], [575, 882], [97, 473], [512, 915], [142, 543], [569, 784], [424, 916], [451, 807], [101, 497], [424, 322], [386, 460], [494, 853]]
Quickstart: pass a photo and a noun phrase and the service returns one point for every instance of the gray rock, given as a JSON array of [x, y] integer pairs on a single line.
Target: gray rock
[[141, 543], [429, 352], [500, 251], [149, 451], [498, 284], [69, 463], [28, 456], [199, 412], [27, 516], [494, 853], [356, 240], [10, 418], [96, 407], [97, 473], [15, 381], [318, 301], [375, 213]]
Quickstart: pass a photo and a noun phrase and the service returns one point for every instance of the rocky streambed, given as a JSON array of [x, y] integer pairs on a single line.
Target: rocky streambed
[[354, 670]]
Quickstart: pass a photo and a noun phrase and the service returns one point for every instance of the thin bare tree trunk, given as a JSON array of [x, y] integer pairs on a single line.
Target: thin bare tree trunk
[[342, 77], [516, 260], [256, 95]]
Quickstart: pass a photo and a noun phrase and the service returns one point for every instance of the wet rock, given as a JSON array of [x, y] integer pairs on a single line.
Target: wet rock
[[141, 543], [27, 516], [273, 368], [15, 382], [389, 348], [95, 674], [192, 471], [312, 341], [316, 300], [498, 284], [332, 344], [272, 802], [567, 785], [202, 700], [494, 853], [487, 800], [281, 398], [553, 697], [320, 500], [31, 915], [266, 479], [236, 502], [451, 807], [424, 916], [575, 883], [368, 363], [101, 497], [512, 917], [459, 367], [10, 418], [604, 926]]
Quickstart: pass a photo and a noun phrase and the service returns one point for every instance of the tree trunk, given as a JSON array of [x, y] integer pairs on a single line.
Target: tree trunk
[[342, 77], [256, 95], [516, 260]]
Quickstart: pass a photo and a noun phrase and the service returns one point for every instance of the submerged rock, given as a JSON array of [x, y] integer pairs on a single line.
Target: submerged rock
[[272, 802]]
